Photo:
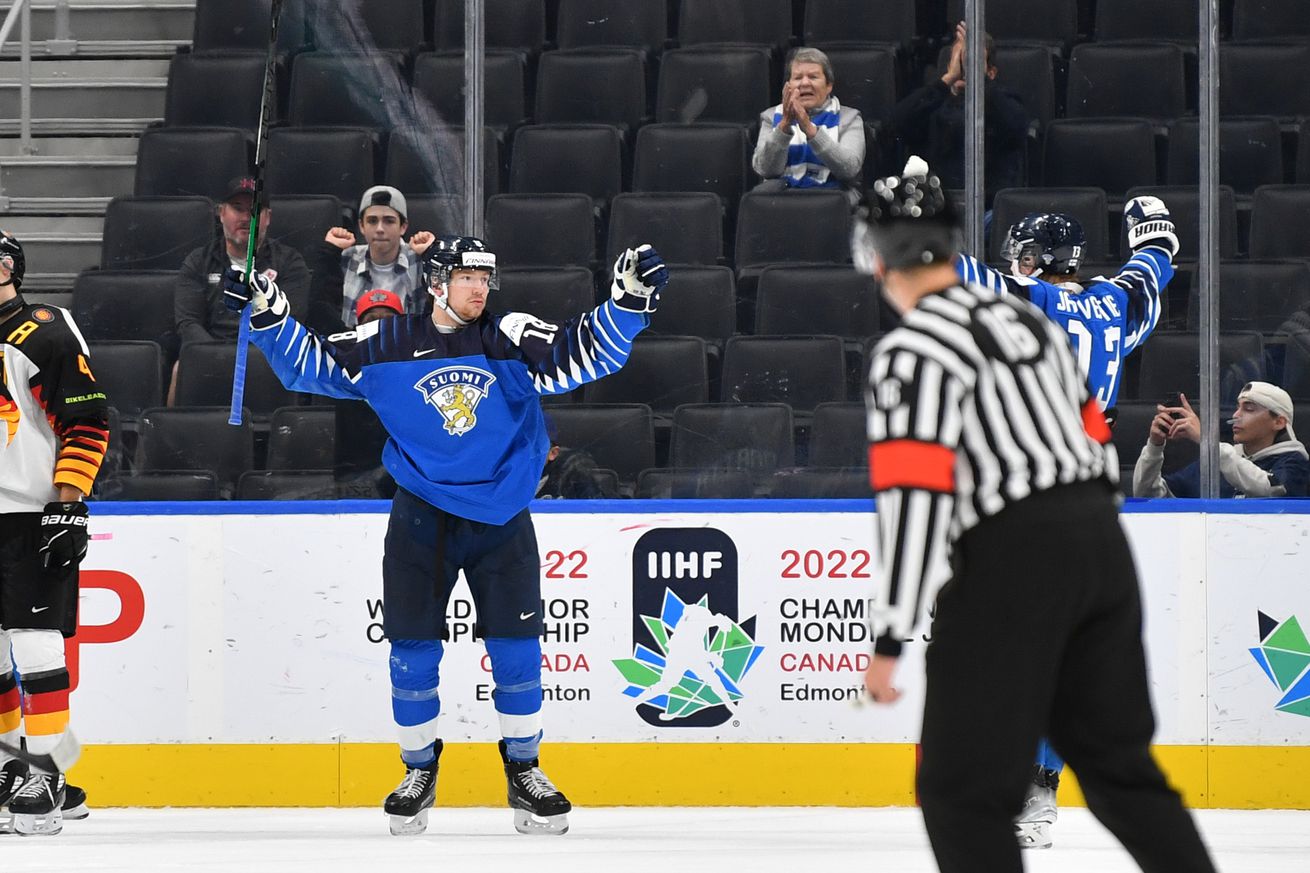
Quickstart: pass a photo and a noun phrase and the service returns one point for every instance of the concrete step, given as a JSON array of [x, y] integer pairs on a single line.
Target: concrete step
[[86, 176], [23, 226], [78, 127], [116, 20], [61, 253], [84, 99], [63, 69], [30, 205], [72, 146]]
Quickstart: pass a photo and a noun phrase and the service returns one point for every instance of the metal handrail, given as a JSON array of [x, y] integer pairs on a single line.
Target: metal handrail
[[22, 11]]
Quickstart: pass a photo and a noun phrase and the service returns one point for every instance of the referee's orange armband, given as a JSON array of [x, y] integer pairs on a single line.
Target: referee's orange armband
[[911, 464]]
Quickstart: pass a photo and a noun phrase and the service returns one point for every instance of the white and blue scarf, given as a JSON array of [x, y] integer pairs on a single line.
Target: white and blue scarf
[[804, 169]]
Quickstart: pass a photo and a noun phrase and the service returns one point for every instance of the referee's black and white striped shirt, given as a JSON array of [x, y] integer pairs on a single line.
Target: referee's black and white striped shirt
[[974, 403]]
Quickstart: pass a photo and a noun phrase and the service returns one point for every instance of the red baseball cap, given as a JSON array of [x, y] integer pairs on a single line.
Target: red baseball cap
[[378, 297]]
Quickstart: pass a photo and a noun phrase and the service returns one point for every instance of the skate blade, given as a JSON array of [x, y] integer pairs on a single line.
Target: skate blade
[[408, 826], [1033, 834], [541, 826], [43, 825], [77, 813], [6, 822]]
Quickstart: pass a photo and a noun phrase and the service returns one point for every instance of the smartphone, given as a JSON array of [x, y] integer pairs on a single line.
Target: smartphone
[[1171, 401]]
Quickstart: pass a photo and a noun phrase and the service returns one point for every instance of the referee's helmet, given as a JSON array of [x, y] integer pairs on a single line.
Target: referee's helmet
[[905, 221]]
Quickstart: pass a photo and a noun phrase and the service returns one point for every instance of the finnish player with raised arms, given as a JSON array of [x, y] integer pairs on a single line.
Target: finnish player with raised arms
[[1106, 319], [459, 394], [997, 521], [54, 432]]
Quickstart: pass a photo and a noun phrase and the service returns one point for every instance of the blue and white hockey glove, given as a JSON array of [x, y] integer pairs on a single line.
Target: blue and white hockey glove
[[268, 304], [1149, 224], [639, 277]]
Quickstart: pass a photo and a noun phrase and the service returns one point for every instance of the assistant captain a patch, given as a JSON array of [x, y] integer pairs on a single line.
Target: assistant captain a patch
[[456, 393]]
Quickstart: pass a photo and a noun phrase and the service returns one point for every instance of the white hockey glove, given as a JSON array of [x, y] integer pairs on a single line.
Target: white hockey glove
[[1149, 224], [639, 277], [268, 305]]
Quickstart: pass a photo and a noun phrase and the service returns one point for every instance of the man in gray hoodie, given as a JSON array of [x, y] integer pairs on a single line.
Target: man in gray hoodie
[[1265, 458]]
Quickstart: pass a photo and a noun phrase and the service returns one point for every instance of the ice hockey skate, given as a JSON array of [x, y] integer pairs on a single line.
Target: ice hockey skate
[[75, 808], [37, 808], [539, 807], [12, 776], [408, 805], [1033, 826]]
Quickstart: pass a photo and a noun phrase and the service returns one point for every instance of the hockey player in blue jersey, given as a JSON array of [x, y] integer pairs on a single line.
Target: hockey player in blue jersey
[[1106, 319], [459, 394]]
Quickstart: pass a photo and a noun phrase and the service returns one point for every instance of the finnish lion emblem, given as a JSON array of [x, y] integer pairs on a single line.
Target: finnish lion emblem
[[456, 392]]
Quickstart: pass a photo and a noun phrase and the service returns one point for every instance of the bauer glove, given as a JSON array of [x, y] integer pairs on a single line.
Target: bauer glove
[[63, 534], [639, 277], [268, 305], [1148, 223]]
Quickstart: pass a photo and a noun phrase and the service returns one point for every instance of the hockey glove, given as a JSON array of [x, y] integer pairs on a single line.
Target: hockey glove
[[268, 305], [63, 534], [639, 277], [1148, 223]]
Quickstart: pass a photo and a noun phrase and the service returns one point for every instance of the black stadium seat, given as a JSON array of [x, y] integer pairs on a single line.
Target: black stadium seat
[[1029, 71], [390, 25], [591, 86], [727, 85], [1256, 295], [154, 233], [742, 436], [1111, 154], [1278, 215], [302, 221], [117, 305], [204, 378], [161, 485], [662, 372], [514, 24], [355, 90], [638, 23], [434, 164], [1052, 22], [302, 438], [1170, 363], [442, 214], [882, 21], [1133, 80], [244, 24], [552, 294], [704, 305], [813, 226], [865, 77], [1171, 20], [1184, 204], [684, 227], [670, 484], [305, 160], [801, 371], [192, 99], [536, 230], [1296, 367], [286, 485], [839, 436], [758, 22], [1264, 79], [820, 483], [619, 436], [566, 159], [1250, 153], [805, 299], [182, 161], [692, 157], [1270, 20], [131, 373], [505, 103], [196, 438]]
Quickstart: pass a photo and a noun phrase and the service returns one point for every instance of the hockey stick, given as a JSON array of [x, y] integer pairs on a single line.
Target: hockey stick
[[265, 102], [60, 760]]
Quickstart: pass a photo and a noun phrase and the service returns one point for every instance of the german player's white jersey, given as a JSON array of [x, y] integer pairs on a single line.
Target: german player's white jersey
[[975, 402]]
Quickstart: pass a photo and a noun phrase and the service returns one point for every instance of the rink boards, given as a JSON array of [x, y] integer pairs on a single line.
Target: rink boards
[[231, 654]]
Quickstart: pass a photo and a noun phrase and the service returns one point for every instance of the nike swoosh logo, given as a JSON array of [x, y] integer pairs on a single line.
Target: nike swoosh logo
[[36, 609], [424, 352], [524, 616]]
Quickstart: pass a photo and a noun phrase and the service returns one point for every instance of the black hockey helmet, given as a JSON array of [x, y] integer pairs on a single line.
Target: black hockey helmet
[[450, 253], [11, 252], [1052, 241], [905, 221]]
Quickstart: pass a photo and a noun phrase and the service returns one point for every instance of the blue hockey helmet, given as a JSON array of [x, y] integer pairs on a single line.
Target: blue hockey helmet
[[448, 254], [1049, 243]]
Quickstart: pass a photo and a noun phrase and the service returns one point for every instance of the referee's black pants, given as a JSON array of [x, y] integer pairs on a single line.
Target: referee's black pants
[[1039, 633]]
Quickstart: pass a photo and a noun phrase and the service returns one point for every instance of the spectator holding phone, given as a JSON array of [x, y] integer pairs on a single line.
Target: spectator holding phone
[[1265, 458]]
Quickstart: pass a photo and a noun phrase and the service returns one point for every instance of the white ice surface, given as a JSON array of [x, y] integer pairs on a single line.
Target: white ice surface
[[601, 841]]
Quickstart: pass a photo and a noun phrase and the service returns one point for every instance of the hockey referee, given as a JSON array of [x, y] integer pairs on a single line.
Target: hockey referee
[[997, 518]]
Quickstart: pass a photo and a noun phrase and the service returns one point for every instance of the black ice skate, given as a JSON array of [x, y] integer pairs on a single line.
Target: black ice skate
[[75, 808], [539, 807], [38, 806], [408, 805], [12, 776]]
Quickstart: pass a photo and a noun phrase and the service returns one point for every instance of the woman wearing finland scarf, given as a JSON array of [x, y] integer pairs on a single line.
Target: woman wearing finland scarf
[[810, 140]]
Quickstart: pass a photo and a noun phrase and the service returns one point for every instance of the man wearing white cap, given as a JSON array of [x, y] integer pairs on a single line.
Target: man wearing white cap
[[1264, 460], [383, 260]]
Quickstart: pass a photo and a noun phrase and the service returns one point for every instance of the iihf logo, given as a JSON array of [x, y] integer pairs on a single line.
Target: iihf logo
[[690, 651], [456, 393]]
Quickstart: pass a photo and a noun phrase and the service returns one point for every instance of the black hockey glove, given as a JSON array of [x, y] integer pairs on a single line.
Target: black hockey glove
[[1149, 224], [268, 304], [63, 534], [639, 277]]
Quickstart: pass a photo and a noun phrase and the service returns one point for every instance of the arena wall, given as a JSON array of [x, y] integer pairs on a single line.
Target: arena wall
[[232, 655]]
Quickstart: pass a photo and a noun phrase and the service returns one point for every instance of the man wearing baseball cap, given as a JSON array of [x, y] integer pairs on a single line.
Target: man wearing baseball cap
[[379, 257], [1265, 458], [198, 308]]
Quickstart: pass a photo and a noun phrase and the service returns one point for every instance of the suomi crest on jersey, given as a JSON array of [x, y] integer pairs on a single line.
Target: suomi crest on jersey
[[456, 392]]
